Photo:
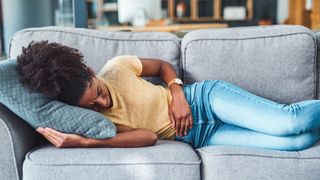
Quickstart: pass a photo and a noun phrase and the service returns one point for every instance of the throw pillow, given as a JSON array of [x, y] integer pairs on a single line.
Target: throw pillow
[[40, 111]]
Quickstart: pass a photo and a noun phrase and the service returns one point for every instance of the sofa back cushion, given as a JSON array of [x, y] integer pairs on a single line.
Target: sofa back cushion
[[99, 46], [276, 62]]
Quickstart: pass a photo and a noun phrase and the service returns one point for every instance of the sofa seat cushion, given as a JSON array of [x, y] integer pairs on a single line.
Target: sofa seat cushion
[[223, 162], [166, 160]]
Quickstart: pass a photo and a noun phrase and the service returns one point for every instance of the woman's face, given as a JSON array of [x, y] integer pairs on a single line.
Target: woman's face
[[96, 96]]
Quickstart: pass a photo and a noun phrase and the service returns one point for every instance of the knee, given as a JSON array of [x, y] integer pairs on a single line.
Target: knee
[[294, 124], [300, 119], [299, 142]]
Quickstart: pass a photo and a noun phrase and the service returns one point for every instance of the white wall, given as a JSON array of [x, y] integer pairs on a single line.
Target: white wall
[[282, 11]]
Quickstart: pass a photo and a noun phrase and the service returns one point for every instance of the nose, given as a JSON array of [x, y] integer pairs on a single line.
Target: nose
[[102, 102]]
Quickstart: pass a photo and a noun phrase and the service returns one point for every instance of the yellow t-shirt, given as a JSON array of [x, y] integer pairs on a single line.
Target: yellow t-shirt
[[137, 103]]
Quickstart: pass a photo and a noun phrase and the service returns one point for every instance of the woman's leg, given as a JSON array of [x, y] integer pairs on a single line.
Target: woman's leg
[[238, 107], [235, 136]]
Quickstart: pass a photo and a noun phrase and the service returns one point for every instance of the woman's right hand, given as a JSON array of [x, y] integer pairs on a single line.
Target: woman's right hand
[[180, 111]]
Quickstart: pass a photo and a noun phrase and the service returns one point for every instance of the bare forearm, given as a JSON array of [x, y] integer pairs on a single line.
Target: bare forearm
[[167, 72], [134, 138], [158, 68]]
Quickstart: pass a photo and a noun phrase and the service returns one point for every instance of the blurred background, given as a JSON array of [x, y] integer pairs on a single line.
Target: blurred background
[[175, 16]]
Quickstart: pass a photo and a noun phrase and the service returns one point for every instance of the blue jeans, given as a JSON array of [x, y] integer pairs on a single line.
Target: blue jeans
[[224, 114]]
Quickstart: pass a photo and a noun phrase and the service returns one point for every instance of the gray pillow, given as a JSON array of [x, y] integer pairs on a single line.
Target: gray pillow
[[40, 111]]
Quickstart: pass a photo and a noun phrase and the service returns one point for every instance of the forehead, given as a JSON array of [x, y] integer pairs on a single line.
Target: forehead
[[89, 93]]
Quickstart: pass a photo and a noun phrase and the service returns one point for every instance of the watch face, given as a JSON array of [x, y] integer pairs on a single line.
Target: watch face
[[178, 81]]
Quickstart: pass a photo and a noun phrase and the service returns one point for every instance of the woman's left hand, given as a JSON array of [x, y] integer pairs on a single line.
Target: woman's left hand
[[61, 140], [179, 111]]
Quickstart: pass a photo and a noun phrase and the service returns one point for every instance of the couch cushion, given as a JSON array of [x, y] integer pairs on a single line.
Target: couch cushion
[[276, 62], [227, 162], [99, 46], [166, 160]]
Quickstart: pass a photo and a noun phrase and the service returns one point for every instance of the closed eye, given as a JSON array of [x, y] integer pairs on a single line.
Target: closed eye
[[97, 92]]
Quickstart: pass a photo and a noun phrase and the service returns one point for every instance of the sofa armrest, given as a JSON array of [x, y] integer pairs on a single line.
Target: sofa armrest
[[16, 138]]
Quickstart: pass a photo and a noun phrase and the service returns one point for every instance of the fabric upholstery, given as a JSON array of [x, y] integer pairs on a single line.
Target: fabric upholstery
[[317, 35], [166, 160], [100, 46], [40, 111], [16, 138], [276, 62], [229, 162]]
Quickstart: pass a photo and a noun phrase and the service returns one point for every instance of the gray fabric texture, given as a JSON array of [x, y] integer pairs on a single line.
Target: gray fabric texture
[[100, 46], [227, 162], [167, 160], [276, 62], [16, 138], [40, 111], [317, 35]]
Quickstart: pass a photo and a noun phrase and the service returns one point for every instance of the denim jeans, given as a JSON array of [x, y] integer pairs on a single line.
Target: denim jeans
[[224, 114]]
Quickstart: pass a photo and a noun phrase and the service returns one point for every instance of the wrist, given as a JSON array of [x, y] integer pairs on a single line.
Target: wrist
[[85, 142], [176, 90], [175, 81]]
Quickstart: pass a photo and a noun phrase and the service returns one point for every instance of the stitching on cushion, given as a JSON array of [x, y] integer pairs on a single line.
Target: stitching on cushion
[[255, 155], [315, 88], [117, 163]]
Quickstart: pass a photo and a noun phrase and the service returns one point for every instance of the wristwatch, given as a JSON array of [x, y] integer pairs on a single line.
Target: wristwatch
[[175, 81]]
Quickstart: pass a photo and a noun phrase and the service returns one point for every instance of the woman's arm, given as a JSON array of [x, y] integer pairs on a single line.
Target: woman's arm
[[128, 137], [179, 109]]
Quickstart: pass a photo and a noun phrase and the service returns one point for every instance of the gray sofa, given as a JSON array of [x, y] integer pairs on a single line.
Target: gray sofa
[[277, 62]]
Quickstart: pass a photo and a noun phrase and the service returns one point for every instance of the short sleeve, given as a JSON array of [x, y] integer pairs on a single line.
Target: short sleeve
[[132, 63]]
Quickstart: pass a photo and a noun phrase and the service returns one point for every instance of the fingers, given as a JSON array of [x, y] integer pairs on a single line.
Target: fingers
[[173, 122], [178, 125], [181, 126], [48, 135], [185, 132], [190, 121], [55, 137]]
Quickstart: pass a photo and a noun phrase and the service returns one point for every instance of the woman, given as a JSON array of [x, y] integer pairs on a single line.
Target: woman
[[201, 114]]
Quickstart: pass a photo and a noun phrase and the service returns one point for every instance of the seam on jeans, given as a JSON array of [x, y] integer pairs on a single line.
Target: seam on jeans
[[204, 122], [315, 79]]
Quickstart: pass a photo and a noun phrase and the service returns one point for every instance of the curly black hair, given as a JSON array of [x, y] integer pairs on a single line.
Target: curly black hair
[[55, 70]]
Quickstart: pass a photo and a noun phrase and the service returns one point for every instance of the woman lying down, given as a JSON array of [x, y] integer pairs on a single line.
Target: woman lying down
[[206, 113]]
